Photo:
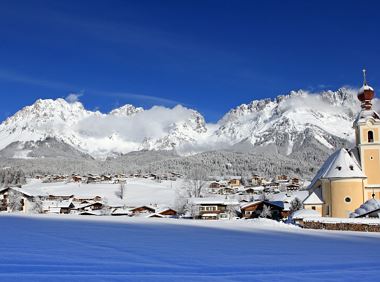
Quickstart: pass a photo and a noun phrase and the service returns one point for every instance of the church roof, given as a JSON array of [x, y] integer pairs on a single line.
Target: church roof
[[315, 198], [365, 87], [364, 115], [340, 164]]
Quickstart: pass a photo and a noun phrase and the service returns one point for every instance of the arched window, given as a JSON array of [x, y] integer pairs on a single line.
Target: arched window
[[370, 136]]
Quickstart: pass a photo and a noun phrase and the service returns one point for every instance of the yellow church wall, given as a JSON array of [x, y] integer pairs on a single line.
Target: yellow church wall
[[342, 189], [369, 192], [371, 165], [317, 208], [326, 195]]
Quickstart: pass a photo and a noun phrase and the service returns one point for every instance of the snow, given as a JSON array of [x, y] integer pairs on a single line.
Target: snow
[[139, 191], [62, 248], [283, 121], [305, 213]]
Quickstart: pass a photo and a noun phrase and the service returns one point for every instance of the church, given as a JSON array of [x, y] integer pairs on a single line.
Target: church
[[350, 177]]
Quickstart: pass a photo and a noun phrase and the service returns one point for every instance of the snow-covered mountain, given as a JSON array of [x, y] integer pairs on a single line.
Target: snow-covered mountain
[[287, 124]]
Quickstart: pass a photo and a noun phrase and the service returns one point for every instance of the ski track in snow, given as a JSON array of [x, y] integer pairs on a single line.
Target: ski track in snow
[[41, 248]]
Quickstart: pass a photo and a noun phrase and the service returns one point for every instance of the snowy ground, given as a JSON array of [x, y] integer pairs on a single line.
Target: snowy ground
[[139, 191], [61, 248]]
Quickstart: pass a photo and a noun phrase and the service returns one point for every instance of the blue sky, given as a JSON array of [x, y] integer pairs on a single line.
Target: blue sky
[[207, 55]]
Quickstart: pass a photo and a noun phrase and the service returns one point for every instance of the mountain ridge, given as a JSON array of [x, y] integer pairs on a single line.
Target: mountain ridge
[[299, 119]]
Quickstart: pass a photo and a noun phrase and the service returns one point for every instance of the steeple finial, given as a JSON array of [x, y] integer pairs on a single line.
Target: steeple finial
[[364, 77]]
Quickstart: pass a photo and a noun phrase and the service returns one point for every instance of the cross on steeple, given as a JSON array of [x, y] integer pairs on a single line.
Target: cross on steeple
[[364, 77]]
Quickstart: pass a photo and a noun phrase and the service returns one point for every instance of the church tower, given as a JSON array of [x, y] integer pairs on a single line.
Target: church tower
[[367, 132]]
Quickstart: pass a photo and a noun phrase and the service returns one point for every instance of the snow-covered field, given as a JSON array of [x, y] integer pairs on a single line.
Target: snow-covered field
[[62, 248], [139, 191]]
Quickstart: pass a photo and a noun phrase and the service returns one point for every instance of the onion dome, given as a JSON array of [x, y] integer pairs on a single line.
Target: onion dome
[[366, 94]]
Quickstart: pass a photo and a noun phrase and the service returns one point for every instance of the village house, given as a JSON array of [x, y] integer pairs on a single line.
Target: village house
[[255, 208], [234, 181], [257, 180], [14, 200], [350, 177], [214, 208], [142, 210]]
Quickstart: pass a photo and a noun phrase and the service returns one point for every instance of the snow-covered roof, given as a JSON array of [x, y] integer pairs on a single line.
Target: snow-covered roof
[[121, 211], [250, 204], [315, 198], [339, 165], [214, 201], [369, 206], [289, 196], [301, 214], [364, 115]]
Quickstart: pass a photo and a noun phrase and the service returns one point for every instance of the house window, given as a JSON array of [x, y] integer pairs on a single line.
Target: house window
[[370, 136], [313, 207], [347, 200], [339, 168], [351, 167]]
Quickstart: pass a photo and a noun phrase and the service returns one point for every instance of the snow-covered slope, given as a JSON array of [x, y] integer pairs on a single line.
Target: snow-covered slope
[[298, 120], [287, 120]]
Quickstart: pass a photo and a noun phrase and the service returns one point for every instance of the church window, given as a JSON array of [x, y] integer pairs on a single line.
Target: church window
[[347, 200], [370, 136], [339, 168], [371, 158], [351, 167]]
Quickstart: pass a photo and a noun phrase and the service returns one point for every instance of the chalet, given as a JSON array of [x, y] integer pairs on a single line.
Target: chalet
[[76, 178], [142, 210], [234, 182], [121, 212], [14, 199], [292, 187], [254, 209], [257, 180], [251, 209], [254, 190], [89, 207], [295, 181], [167, 212], [214, 208], [226, 191], [282, 178]]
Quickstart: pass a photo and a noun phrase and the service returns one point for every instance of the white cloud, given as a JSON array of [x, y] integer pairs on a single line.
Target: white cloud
[[153, 123], [73, 97]]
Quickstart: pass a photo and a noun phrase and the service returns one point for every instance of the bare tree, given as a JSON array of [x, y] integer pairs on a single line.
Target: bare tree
[[180, 200], [15, 201], [195, 183]]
